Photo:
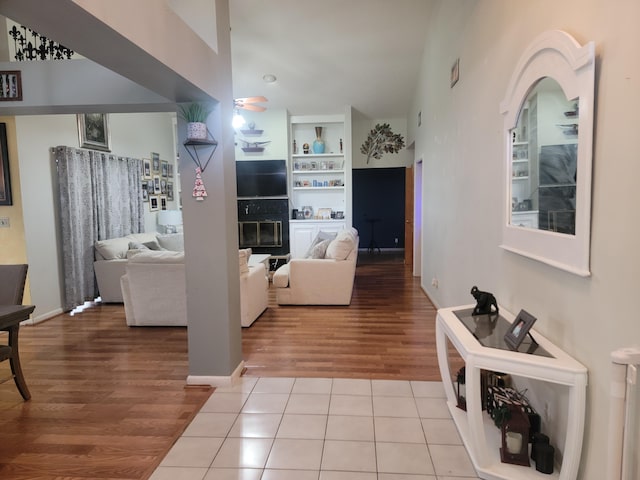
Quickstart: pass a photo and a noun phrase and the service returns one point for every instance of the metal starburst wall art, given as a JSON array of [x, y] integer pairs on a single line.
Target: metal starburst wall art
[[381, 140]]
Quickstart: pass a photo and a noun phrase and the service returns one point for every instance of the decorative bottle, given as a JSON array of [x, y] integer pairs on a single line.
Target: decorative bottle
[[318, 143]]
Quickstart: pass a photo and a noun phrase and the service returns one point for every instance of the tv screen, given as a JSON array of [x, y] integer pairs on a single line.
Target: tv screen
[[261, 178]]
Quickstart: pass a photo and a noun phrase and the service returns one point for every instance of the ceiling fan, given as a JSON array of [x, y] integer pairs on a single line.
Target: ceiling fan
[[247, 103]]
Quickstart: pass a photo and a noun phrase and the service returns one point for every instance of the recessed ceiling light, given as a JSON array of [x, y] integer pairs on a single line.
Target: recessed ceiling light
[[269, 78]]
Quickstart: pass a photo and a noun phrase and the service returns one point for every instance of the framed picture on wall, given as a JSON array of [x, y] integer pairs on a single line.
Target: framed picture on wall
[[153, 203], [163, 202], [145, 191], [156, 184], [155, 163], [93, 131], [170, 191], [146, 168], [165, 168], [170, 170], [5, 179]]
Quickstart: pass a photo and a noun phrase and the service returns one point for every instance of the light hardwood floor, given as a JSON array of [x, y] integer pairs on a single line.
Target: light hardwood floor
[[108, 401]]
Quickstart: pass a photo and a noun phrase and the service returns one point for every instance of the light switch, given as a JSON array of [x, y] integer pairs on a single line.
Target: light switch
[[4, 222]]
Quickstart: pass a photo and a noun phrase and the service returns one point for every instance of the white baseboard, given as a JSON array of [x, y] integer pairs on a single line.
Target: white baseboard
[[42, 317], [216, 381]]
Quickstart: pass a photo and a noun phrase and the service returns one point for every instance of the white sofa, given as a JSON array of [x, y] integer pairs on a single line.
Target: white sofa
[[154, 289], [111, 257], [325, 277]]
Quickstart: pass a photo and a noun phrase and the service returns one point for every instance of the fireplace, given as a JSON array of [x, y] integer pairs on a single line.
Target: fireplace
[[263, 225]]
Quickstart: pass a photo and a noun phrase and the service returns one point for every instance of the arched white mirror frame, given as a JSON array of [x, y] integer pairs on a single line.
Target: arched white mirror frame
[[557, 55]]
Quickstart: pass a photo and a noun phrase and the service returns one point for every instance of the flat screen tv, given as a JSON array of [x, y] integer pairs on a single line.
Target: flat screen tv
[[261, 178]]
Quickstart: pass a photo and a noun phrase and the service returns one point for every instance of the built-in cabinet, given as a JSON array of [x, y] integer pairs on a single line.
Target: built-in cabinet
[[319, 182]]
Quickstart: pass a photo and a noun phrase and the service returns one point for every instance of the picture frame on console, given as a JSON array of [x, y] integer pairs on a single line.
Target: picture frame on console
[[93, 131], [519, 329]]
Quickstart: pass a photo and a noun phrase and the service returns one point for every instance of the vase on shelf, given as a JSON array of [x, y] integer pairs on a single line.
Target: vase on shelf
[[318, 143]]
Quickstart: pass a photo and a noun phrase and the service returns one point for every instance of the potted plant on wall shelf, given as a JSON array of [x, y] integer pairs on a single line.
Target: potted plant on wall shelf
[[195, 114]]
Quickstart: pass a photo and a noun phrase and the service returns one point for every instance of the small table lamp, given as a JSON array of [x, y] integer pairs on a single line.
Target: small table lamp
[[170, 219]]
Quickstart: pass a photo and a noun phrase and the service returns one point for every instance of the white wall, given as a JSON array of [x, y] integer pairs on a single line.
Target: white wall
[[460, 141], [134, 135]]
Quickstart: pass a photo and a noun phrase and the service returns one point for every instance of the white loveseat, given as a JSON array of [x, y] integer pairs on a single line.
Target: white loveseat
[[325, 277], [112, 255], [154, 289]]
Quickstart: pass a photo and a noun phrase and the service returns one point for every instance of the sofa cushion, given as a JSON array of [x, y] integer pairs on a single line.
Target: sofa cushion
[[281, 276], [112, 248], [161, 256], [340, 247], [172, 241]]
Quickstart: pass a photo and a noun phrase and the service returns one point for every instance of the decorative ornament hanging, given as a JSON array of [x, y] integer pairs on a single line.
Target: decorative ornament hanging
[[199, 192]]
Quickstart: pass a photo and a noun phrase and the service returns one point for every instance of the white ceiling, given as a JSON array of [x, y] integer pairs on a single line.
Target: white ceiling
[[329, 53]]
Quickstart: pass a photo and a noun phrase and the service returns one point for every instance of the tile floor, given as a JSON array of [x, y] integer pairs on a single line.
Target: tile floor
[[320, 429]]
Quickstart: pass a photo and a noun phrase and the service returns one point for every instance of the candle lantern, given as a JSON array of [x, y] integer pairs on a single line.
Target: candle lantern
[[461, 389], [515, 438]]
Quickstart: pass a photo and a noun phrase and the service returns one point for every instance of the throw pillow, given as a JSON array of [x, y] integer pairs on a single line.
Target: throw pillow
[[243, 258], [153, 245], [341, 246], [321, 236], [319, 249], [138, 246]]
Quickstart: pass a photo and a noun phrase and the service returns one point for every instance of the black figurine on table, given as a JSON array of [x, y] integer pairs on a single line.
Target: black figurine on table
[[485, 303]]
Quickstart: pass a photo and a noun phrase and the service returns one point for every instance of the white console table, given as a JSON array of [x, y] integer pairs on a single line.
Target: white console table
[[477, 430]]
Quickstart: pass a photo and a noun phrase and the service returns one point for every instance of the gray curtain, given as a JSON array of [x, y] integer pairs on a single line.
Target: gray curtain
[[100, 198]]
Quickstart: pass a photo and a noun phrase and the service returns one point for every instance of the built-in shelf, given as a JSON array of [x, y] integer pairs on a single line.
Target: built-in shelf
[[316, 155], [296, 172]]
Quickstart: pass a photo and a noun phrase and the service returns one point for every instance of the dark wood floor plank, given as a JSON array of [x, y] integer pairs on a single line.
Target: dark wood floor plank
[[109, 400]]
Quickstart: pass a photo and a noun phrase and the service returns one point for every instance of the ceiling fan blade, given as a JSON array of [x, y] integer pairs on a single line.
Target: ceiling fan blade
[[257, 99], [253, 108]]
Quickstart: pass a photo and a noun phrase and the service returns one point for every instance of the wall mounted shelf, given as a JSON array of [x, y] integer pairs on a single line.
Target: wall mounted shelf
[[193, 146]]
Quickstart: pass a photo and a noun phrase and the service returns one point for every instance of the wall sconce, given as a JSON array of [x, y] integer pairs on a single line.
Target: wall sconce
[[515, 438], [170, 219]]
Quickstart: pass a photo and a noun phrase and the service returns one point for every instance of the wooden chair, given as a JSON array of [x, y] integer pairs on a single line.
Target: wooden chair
[[11, 292]]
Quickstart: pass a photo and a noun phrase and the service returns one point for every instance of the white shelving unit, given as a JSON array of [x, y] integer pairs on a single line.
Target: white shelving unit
[[480, 436], [319, 181]]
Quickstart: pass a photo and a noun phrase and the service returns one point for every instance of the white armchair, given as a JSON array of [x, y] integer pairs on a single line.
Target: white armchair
[[325, 277]]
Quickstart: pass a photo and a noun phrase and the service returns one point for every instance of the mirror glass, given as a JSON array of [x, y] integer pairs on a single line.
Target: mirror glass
[[544, 154]]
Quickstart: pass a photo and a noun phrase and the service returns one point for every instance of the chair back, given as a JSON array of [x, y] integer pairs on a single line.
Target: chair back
[[12, 280]]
